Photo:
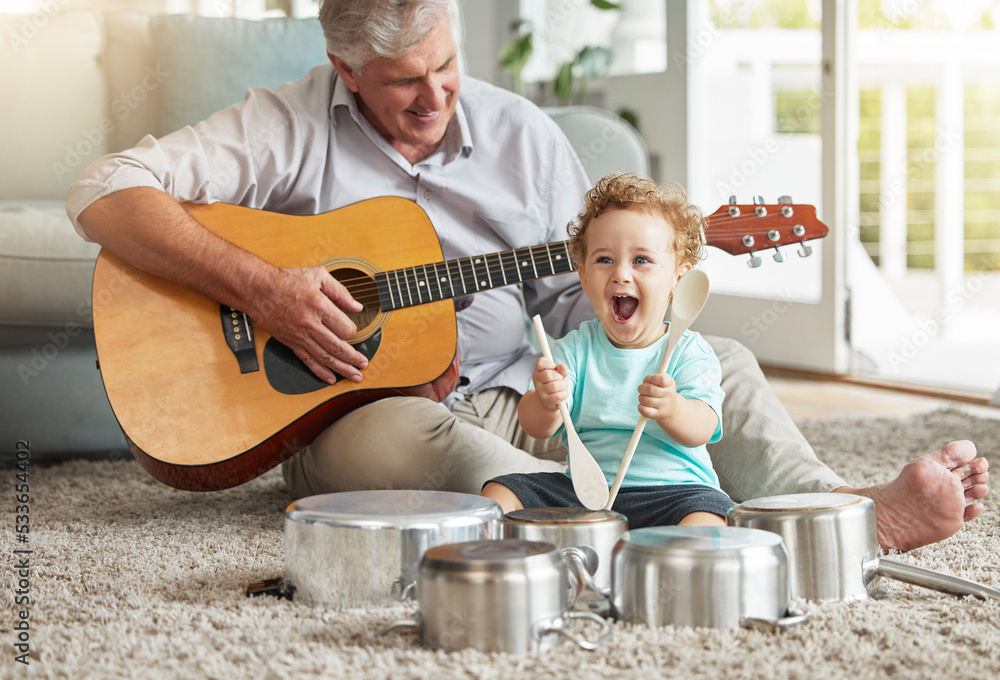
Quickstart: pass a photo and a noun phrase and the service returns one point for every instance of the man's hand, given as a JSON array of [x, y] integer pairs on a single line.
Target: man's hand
[[302, 308], [305, 310]]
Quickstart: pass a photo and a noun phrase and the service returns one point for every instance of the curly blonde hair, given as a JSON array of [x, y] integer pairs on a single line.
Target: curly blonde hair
[[627, 191]]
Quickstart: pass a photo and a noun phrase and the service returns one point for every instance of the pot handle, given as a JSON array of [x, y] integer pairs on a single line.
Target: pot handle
[[411, 623], [794, 618], [403, 589], [935, 580], [582, 563], [559, 626]]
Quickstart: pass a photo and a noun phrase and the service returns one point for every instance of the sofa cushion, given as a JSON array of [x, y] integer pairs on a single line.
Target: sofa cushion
[[208, 63], [134, 76], [46, 270], [53, 106]]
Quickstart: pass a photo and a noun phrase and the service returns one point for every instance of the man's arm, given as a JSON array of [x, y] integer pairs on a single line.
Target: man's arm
[[302, 308]]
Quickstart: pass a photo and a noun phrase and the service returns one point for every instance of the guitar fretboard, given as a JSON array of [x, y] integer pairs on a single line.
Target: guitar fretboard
[[411, 286]]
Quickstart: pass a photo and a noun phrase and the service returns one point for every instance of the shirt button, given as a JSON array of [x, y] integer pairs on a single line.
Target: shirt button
[[427, 194]]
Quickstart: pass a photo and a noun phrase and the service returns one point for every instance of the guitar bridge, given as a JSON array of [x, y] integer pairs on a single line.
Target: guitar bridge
[[238, 329]]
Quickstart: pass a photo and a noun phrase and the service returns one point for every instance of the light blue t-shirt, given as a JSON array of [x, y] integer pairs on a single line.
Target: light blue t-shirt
[[604, 401]]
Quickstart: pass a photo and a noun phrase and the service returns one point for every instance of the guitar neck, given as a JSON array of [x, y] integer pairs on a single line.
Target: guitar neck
[[735, 229], [411, 286]]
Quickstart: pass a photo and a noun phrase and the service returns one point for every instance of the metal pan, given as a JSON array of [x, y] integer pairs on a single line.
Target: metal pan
[[595, 532], [363, 548], [508, 595], [832, 543], [713, 577]]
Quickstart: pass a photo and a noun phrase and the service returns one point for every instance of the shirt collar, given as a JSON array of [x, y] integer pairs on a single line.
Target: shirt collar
[[342, 97], [457, 140]]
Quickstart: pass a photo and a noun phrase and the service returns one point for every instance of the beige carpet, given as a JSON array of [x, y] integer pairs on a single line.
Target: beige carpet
[[133, 579]]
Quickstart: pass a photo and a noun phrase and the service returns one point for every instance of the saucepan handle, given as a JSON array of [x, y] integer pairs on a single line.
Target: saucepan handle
[[935, 580], [794, 618], [559, 626], [411, 624], [582, 563], [403, 589]]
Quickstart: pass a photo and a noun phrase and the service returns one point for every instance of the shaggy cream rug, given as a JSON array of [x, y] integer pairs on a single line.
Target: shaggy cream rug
[[132, 579]]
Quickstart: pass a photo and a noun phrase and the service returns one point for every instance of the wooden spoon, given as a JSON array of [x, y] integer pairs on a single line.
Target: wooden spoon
[[689, 299], [589, 482]]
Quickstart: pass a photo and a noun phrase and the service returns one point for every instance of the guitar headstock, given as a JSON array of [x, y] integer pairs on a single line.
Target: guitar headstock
[[738, 228]]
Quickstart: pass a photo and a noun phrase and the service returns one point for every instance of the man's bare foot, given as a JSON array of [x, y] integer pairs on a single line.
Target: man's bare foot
[[931, 499]]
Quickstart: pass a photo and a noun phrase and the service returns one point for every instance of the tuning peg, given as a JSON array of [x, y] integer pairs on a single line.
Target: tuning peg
[[785, 200], [778, 255], [732, 199], [754, 261], [804, 250], [758, 200]]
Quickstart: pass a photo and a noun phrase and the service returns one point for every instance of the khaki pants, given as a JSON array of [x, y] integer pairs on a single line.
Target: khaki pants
[[413, 443]]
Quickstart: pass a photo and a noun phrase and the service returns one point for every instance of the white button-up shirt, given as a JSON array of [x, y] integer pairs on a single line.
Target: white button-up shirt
[[504, 177]]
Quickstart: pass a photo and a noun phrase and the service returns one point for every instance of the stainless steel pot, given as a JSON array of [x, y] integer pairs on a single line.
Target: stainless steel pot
[[715, 577], [363, 548], [832, 542], [506, 595], [590, 530]]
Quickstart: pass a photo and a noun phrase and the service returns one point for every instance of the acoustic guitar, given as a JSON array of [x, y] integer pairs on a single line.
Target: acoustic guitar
[[207, 401]]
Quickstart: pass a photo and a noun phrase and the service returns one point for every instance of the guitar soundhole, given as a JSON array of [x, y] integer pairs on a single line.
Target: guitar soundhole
[[362, 288]]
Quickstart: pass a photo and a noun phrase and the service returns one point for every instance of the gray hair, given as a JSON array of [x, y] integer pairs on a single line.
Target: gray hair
[[358, 31]]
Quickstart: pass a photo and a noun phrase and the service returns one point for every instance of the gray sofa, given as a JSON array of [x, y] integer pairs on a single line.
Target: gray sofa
[[90, 83]]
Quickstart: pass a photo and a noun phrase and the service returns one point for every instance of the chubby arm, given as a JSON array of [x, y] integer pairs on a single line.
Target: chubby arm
[[538, 410], [689, 422], [300, 307]]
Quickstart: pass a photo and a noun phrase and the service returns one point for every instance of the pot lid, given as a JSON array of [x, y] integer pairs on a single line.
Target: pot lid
[[393, 509], [564, 515], [801, 501], [699, 539], [502, 555]]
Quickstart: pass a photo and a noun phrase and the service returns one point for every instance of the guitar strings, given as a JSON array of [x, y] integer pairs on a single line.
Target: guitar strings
[[418, 282]]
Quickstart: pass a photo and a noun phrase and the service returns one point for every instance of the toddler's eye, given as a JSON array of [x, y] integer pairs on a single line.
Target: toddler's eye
[[604, 259], [641, 259]]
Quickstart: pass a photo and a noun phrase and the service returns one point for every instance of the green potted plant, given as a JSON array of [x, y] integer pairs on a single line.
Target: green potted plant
[[591, 61]]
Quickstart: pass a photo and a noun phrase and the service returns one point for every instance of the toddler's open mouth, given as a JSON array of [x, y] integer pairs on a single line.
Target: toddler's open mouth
[[623, 307]]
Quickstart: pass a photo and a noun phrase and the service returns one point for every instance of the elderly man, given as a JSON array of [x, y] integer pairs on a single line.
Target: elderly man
[[391, 115]]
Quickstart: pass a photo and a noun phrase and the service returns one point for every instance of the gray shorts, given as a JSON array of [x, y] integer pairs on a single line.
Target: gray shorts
[[643, 506]]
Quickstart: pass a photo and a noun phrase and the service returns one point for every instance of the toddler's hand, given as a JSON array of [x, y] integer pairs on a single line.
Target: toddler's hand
[[550, 383], [657, 396]]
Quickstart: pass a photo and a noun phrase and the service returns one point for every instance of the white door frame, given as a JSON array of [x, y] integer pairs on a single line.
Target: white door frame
[[807, 336]]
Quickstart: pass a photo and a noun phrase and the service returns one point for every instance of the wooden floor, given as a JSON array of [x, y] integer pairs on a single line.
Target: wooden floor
[[807, 398]]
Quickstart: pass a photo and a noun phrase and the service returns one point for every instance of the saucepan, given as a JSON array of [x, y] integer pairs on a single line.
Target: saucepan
[[832, 542], [505, 595], [714, 577], [593, 532], [363, 548]]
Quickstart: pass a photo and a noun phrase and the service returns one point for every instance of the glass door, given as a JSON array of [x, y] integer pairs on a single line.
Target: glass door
[[769, 130], [929, 161]]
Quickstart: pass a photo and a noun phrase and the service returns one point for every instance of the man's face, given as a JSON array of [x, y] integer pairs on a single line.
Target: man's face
[[410, 100]]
